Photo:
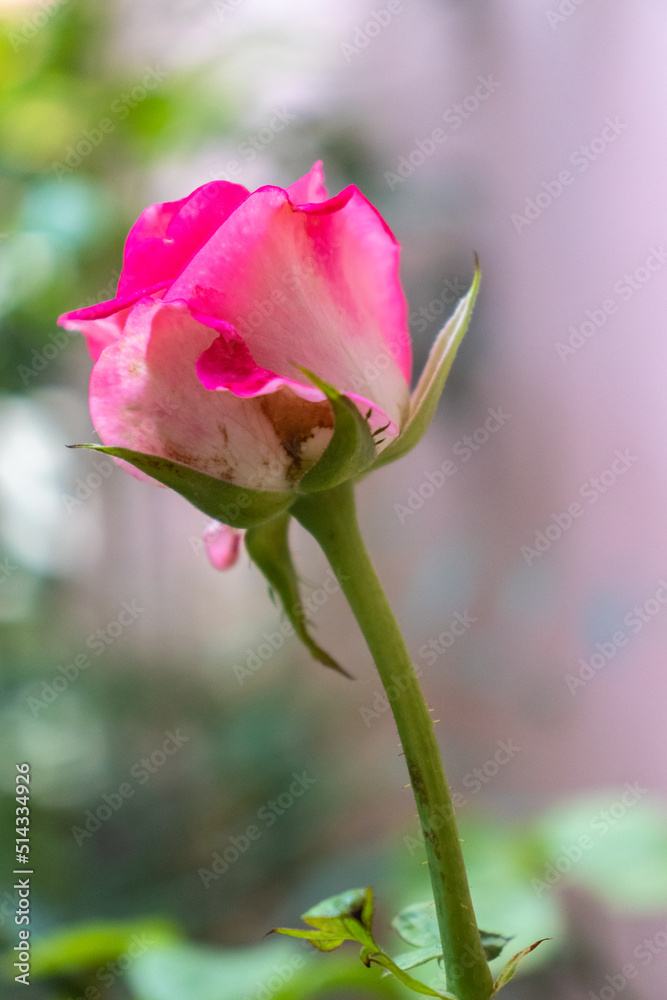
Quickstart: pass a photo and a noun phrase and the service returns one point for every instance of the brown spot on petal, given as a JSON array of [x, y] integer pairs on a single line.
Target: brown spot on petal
[[217, 466], [294, 421]]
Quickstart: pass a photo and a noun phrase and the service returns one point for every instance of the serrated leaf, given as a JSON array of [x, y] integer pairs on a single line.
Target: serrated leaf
[[425, 398], [351, 450], [509, 970], [233, 505], [268, 548]]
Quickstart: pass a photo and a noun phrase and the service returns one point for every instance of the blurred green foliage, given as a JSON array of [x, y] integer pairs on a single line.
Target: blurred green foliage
[[76, 133]]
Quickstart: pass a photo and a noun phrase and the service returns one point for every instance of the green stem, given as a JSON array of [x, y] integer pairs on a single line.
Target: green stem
[[331, 518]]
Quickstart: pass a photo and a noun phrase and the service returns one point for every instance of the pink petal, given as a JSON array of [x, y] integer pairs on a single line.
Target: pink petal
[[153, 223], [315, 286], [145, 395], [165, 237], [228, 364], [160, 243], [103, 323], [310, 188], [223, 544]]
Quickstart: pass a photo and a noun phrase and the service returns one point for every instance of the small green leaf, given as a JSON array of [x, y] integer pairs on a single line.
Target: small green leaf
[[509, 970], [233, 505], [346, 917], [356, 904], [351, 450], [493, 944], [322, 940], [417, 924], [426, 395], [349, 917], [268, 548]]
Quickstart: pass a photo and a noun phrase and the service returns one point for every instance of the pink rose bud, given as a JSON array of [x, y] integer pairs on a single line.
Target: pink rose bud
[[223, 544], [225, 296]]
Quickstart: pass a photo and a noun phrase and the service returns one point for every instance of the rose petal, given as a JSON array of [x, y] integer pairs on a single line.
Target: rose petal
[[99, 332], [228, 364], [177, 234], [160, 243], [315, 286], [310, 188], [145, 395], [103, 323], [152, 223], [223, 544]]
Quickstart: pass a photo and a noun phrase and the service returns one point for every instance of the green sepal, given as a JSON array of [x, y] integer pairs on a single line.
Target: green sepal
[[509, 970], [349, 917], [268, 548], [425, 398], [233, 505], [351, 450]]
